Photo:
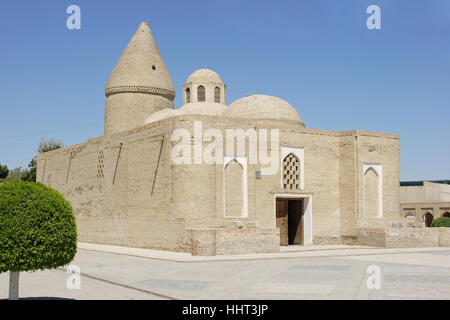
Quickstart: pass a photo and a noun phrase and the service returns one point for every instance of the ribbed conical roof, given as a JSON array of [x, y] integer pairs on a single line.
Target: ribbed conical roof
[[141, 68]]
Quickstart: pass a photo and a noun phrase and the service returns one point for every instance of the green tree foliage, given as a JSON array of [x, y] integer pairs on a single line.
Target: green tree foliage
[[37, 227], [45, 145], [49, 144], [15, 174], [30, 173], [441, 222], [4, 171]]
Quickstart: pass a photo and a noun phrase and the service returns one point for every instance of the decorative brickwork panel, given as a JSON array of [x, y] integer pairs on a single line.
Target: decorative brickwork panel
[[100, 166], [291, 172]]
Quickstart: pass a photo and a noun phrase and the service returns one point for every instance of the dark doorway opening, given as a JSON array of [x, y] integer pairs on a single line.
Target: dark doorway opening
[[428, 218], [290, 220], [446, 215]]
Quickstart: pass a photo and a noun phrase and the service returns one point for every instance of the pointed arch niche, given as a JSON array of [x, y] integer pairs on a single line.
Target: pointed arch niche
[[373, 190], [235, 195]]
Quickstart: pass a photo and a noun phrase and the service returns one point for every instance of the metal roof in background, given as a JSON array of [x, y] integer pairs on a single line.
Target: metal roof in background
[[420, 183]]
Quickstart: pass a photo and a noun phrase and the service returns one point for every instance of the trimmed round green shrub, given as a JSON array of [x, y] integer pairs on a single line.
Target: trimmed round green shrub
[[37, 227], [441, 222]]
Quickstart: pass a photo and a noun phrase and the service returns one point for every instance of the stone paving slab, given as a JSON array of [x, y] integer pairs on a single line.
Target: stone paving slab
[[419, 258], [104, 275], [51, 285]]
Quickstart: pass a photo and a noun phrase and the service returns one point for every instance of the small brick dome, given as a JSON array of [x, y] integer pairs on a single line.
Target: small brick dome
[[204, 76]]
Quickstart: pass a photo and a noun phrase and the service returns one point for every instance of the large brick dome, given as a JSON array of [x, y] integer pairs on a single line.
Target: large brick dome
[[263, 107]]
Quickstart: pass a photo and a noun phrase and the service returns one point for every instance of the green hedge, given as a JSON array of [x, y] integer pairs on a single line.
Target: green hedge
[[37, 227], [441, 222]]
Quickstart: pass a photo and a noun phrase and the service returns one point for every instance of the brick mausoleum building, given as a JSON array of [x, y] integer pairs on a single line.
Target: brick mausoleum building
[[126, 189]]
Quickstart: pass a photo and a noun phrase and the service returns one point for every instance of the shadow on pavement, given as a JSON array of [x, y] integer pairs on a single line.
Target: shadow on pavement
[[41, 298]]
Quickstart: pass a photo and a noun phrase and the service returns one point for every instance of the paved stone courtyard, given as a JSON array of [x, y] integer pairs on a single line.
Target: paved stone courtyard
[[317, 274]]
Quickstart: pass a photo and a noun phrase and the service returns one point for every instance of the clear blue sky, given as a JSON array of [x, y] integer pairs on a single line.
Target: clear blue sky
[[318, 55]]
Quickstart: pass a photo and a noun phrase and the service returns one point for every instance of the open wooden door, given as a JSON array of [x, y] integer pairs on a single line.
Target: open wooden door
[[282, 221], [290, 220]]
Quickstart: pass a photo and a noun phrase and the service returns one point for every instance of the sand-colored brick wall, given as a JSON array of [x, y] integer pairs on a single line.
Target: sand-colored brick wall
[[444, 237], [249, 240], [375, 148], [404, 237], [126, 111], [372, 237], [411, 237], [119, 208], [111, 183], [202, 241], [348, 186], [234, 241]]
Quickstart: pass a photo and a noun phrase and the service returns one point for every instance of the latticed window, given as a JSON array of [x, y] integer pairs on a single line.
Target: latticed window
[[217, 94], [291, 172], [188, 95], [201, 93]]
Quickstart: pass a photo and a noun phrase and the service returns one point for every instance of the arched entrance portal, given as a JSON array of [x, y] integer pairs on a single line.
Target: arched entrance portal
[[446, 215], [293, 215], [428, 218]]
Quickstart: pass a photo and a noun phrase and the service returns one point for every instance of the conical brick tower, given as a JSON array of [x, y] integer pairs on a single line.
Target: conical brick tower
[[138, 86]]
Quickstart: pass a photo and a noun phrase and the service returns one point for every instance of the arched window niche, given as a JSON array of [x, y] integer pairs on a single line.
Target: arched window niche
[[188, 95], [201, 97], [217, 95]]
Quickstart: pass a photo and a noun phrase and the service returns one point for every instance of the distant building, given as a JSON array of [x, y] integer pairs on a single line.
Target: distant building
[[424, 201]]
